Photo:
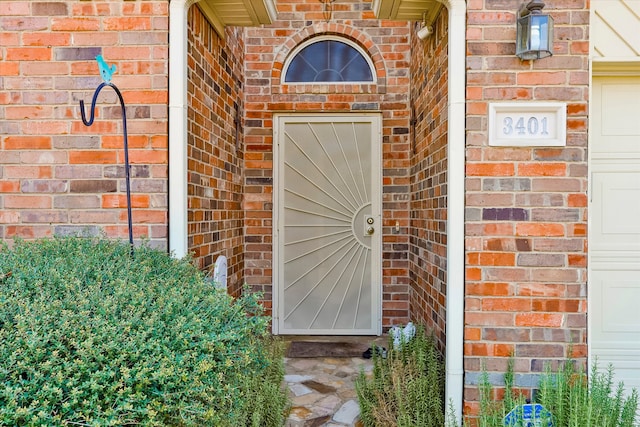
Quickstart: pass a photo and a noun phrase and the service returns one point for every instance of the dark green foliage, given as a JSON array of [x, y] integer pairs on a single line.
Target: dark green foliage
[[576, 400], [492, 412], [90, 336], [407, 386], [572, 398], [266, 401]]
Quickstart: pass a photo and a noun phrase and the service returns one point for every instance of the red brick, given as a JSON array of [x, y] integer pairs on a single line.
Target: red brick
[[488, 319], [147, 157], [27, 172], [577, 260], [490, 169], [540, 229], [472, 334], [46, 39], [577, 200], [28, 112], [120, 201], [497, 258], [27, 202], [117, 141], [146, 216], [75, 24], [127, 24], [28, 54], [541, 289], [506, 304], [489, 289], [122, 231], [146, 96], [92, 157], [559, 305], [9, 187], [17, 8], [29, 231], [51, 127], [542, 169], [473, 273], [9, 68], [27, 142], [539, 320], [542, 78], [45, 69], [92, 217], [484, 349], [9, 217]]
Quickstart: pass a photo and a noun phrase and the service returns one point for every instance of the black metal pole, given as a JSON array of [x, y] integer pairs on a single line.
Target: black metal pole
[[126, 146]]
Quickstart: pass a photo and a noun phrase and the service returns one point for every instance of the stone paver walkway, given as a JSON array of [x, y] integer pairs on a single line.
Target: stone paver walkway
[[322, 390]]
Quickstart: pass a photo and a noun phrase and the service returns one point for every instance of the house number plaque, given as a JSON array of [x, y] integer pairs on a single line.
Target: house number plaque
[[527, 124]]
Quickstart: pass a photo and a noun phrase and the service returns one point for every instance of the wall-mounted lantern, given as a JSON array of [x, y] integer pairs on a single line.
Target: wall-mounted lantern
[[426, 29], [534, 36]]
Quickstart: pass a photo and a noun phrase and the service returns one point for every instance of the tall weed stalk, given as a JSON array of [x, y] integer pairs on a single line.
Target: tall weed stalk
[[578, 400], [407, 386], [573, 398]]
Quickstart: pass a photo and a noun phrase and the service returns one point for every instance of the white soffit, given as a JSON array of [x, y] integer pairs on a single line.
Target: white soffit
[[244, 13], [407, 10]]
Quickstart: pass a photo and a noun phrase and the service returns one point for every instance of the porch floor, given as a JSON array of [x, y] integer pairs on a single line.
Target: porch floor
[[322, 389]]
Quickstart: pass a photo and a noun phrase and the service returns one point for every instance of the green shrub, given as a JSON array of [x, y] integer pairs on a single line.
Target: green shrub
[[266, 401], [573, 399], [407, 386], [92, 336], [578, 400], [492, 412]]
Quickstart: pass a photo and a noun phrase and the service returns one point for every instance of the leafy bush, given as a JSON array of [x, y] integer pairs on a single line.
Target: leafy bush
[[407, 386], [578, 400], [266, 402], [572, 398], [92, 336]]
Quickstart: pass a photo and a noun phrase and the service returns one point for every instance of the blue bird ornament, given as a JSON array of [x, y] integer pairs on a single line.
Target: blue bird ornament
[[106, 71]]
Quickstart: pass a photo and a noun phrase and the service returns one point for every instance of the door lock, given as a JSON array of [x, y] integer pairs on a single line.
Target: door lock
[[368, 226]]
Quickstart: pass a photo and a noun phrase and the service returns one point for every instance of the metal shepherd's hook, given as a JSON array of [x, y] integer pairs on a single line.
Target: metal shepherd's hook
[[106, 72]]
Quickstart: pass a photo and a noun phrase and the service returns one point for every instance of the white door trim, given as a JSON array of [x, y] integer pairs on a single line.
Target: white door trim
[[376, 198], [600, 69], [456, 145]]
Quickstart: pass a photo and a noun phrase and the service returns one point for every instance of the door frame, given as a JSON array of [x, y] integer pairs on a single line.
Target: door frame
[[279, 119], [598, 69]]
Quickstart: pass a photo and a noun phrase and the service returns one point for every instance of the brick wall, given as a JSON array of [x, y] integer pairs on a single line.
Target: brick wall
[[215, 93], [526, 207], [56, 175], [428, 238], [266, 50]]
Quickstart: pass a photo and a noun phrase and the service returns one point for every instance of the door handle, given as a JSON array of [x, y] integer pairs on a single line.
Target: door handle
[[368, 225]]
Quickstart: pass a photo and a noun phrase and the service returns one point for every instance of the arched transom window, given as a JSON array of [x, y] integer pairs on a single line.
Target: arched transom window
[[328, 60]]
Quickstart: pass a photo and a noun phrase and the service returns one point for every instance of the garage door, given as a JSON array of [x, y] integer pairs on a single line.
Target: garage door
[[614, 233]]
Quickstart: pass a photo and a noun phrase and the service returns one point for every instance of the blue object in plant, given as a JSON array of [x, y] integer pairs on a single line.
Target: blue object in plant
[[528, 415], [106, 71]]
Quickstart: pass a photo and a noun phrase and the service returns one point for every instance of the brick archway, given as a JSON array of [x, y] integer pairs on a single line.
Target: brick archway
[[330, 28]]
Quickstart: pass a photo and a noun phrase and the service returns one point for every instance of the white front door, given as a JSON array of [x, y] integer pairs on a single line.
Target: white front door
[[327, 224], [614, 231]]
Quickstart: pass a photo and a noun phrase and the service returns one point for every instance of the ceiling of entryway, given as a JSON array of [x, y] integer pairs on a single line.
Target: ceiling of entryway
[[257, 12], [407, 10], [238, 12]]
